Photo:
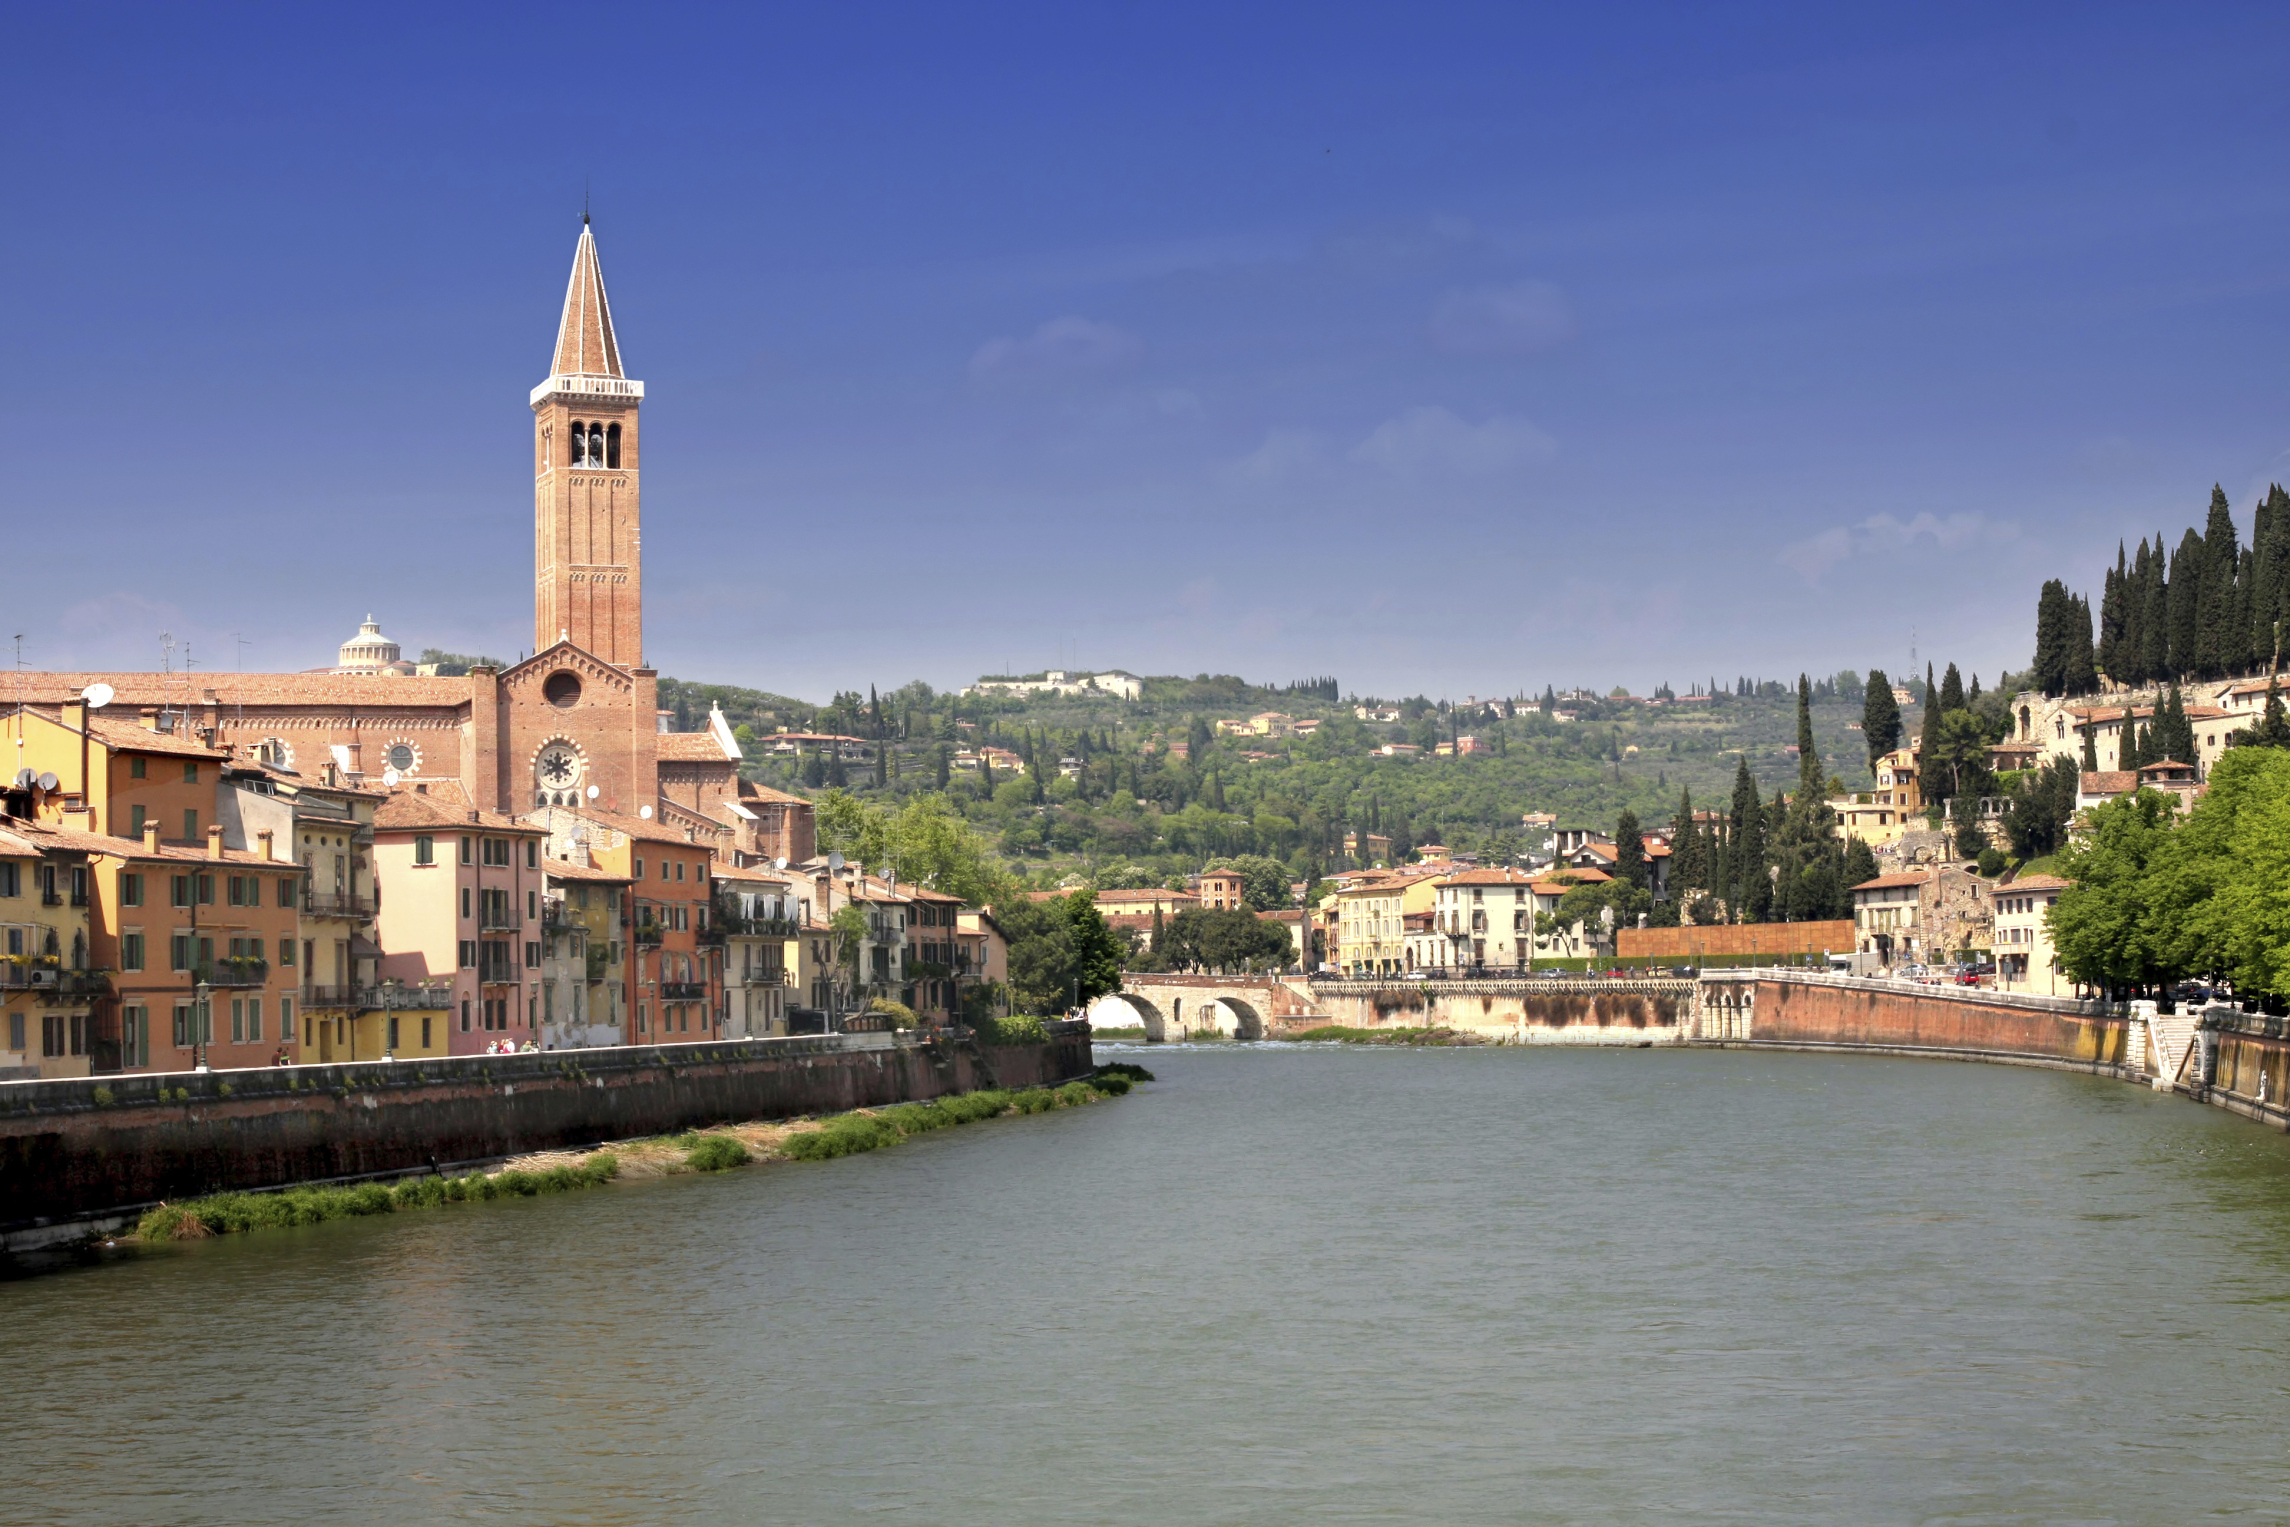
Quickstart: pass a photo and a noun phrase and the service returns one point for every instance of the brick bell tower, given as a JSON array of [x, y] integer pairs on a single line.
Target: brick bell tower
[[588, 545]]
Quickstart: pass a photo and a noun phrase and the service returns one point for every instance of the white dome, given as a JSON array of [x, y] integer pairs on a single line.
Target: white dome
[[367, 652]]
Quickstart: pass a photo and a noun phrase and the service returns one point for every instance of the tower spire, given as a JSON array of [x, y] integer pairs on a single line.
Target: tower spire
[[586, 345]]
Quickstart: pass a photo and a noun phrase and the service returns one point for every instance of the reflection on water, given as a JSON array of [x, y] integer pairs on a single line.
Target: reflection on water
[[1281, 1284]]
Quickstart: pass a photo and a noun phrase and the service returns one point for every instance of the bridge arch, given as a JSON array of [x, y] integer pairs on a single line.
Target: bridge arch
[[1120, 1010], [1226, 1014]]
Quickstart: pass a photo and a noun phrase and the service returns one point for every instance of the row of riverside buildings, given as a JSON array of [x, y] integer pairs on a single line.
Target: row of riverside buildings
[[372, 859], [1929, 908]]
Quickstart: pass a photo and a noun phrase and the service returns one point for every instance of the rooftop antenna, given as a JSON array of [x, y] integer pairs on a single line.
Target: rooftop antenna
[[584, 201]]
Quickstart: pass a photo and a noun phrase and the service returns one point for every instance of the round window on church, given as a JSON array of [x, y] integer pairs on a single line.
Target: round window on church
[[400, 757], [562, 689]]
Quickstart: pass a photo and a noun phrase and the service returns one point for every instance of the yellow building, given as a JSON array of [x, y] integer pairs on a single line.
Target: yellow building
[[1371, 920], [1878, 817], [49, 986]]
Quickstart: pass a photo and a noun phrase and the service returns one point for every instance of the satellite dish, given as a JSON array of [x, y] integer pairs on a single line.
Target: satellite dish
[[47, 782], [644, 812], [23, 779], [97, 696], [594, 792], [779, 863], [389, 776], [835, 859]]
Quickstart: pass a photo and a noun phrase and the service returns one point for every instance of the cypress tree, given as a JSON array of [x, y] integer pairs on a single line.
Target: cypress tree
[[2133, 754], [1880, 717], [2217, 651], [944, 773], [1809, 776], [2090, 748], [1951, 692], [1688, 862], [2186, 595], [1748, 848], [2155, 653], [1930, 695], [1629, 849], [2051, 639], [2114, 599], [2174, 737], [2082, 676]]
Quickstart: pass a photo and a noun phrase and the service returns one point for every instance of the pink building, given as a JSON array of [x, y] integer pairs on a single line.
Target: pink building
[[461, 903]]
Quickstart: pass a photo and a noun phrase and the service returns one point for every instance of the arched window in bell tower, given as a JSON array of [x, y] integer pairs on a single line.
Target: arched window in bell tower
[[596, 445], [548, 441], [612, 448], [579, 456]]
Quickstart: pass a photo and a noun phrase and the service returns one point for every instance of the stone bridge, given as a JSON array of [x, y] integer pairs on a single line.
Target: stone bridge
[[1511, 1009]]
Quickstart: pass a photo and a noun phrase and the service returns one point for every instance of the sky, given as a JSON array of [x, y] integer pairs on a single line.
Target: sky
[[1445, 349]]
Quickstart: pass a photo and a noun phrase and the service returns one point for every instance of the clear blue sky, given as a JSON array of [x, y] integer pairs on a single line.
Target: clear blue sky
[[1441, 348]]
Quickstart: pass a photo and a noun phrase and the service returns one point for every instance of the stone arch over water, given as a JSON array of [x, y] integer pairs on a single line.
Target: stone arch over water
[[1120, 1010], [1230, 1015]]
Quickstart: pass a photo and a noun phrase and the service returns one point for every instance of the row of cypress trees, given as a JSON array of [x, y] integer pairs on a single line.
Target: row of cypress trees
[[1772, 860], [2209, 608]]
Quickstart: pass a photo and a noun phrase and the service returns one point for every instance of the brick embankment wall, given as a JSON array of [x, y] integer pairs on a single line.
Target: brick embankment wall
[[1694, 945], [1828, 1011], [91, 1146]]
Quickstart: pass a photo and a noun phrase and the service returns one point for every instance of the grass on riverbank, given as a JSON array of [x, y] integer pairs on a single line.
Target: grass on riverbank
[[1335, 1033], [710, 1150]]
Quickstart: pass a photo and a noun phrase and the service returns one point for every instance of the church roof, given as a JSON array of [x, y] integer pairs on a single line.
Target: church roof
[[586, 345], [692, 747]]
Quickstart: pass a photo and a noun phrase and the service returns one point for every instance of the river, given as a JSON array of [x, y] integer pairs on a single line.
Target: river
[[1283, 1284]]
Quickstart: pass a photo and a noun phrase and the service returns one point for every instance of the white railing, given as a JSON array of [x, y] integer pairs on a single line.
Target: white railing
[[589, 386]]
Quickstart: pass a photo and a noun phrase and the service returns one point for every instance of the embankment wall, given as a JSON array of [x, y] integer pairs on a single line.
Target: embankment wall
[[1811, 1010], [1527, 1011], [90, 1146]]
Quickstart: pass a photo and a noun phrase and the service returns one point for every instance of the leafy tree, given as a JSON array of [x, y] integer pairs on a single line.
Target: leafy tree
[[1954, 760], [1880, 717], [1205, 938], [2042, 803], [2108, 928], [1061, 952]]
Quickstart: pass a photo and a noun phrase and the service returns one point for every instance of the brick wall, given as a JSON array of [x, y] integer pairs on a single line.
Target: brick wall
[[1691, 944], [1890, 1014]]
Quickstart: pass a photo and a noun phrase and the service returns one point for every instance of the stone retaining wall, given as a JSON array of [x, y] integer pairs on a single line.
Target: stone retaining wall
[[1789, 1009], [91, 1146]]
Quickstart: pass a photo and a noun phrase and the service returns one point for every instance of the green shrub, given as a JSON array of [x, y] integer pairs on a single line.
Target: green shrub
[[716, 1153], [102, 1096], [1124, 1068], [1019, 1030], [846, 1136], [420, 1193]]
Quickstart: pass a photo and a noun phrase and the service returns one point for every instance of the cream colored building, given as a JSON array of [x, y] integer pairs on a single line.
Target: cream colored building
[[1485, 919], [1888, 925], [1371, 921], [1577, 941], [2026, 962]]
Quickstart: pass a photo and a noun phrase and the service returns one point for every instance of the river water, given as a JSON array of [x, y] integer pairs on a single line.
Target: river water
[[1283, 1284]]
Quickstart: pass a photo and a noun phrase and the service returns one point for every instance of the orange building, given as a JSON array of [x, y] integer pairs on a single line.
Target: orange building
[[675, 946]]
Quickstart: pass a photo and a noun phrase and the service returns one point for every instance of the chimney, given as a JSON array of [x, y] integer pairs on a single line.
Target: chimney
[[421, 787], [150, 837], [215, 841], [262, 844], [149, 718], [665, 720], [74, 714]]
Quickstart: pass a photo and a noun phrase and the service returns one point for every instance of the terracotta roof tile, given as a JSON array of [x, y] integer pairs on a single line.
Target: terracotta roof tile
[[409, 811], [2109, 782], [1890, 882], [691, 747], [127, 737], [2036, 883]]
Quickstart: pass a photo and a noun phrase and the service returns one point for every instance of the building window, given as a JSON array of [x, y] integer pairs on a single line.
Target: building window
[[579, 443], [135, 817], [640, 869], [191, 772], [286, 1019], [286, 892], [179, 952], [286, 952], [425, 850], [179, 891], [468, 957], [131, 951], [465, 851], [130, 890], [612, 448], [205, 886], [393, 1033], [12, 885], [465, 903], [464, 1014], [191, 823], [532, 955], [135, 768]]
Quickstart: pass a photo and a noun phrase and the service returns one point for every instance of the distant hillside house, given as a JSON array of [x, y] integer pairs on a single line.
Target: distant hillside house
[[1058, 681]]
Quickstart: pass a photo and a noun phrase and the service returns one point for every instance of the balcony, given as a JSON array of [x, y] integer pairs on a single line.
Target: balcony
[[329, 996], [763, 977], [759, 927], [436, 997], [647, 935], [499, 919], [51, 898], [68, 986], [683, 991], [336, 904], [599, 963], [232, 971], [709, 938]]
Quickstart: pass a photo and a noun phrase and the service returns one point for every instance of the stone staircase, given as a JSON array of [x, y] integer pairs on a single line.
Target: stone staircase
[[2169, 1037]]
